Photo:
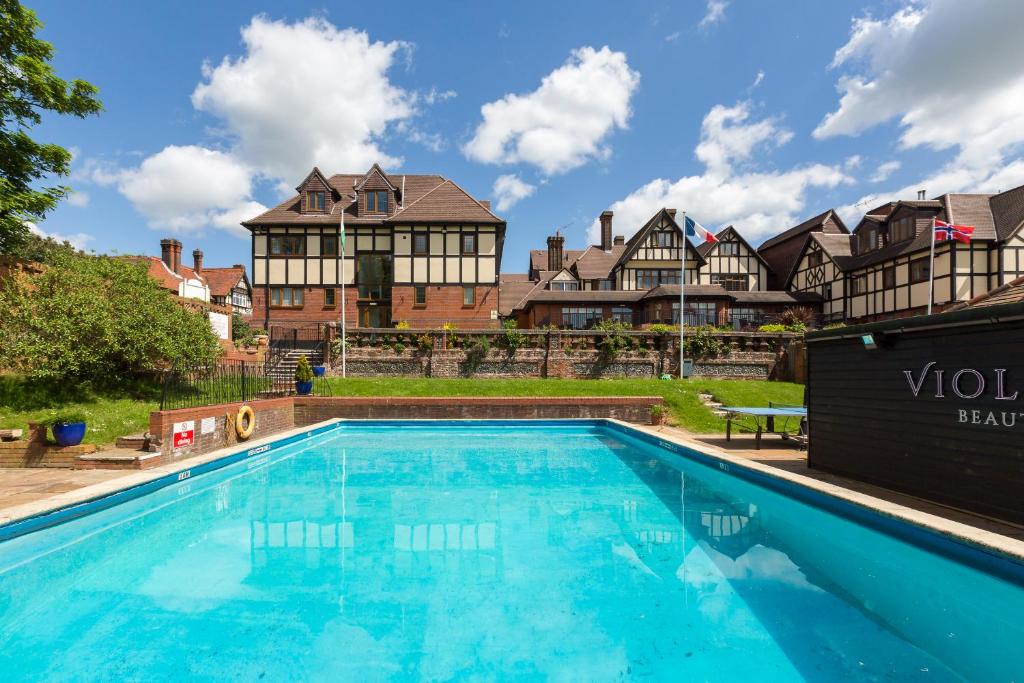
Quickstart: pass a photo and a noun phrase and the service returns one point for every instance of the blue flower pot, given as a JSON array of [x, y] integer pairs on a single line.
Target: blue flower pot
[[319, 370], [303, 388], [69, 434]]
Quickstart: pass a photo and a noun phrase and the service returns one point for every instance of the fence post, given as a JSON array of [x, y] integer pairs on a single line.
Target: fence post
[[244, 399]]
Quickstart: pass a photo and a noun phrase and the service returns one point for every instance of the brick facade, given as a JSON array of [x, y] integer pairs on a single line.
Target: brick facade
[[444, 304], [272, 416]]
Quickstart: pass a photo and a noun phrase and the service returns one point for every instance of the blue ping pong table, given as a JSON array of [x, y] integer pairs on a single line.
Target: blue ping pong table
[[768, 414]]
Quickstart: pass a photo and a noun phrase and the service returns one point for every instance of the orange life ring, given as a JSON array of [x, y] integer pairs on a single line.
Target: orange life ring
[[245, 422]]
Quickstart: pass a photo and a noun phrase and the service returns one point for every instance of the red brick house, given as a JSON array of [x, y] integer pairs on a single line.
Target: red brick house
[[418, 248]]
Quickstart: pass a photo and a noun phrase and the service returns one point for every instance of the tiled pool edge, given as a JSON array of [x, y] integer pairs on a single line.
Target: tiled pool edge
[[946, 536], [64, 507]]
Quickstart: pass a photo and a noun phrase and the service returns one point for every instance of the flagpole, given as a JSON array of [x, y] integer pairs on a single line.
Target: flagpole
[[682, 303], [344, 341], [931, 269]]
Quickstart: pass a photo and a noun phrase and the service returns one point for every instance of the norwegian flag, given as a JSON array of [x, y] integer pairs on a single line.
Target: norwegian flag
[[947, 231]]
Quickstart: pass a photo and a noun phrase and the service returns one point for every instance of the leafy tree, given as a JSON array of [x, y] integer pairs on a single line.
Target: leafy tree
[[92, 318], [29, 87]]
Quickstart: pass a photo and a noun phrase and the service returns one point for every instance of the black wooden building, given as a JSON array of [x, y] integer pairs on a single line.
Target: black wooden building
[[932, 406]]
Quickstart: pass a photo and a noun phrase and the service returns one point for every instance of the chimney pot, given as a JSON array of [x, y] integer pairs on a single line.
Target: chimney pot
[[197, 260], [606, 230], [921, 194], [167, 253], [619, 240]]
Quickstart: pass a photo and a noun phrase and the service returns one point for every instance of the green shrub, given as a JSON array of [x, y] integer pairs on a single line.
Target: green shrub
[[662, 328], [703, 343], [399, 347], [513, 339], [476, 350], [425, 342], [303, 373], [65, 417], [402, 325], [613, 339], [834, 326], [772, 327], [242, 333], [92, 318]]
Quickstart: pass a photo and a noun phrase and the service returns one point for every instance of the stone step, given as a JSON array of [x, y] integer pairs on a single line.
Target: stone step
[[118, 459], [131, 441]]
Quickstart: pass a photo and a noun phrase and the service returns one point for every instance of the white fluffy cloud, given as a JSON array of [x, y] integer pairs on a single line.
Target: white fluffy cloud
[[186, 188], [726, 138], [564, 123], [715, 12], [306, 93], [301, 94], [509, 189], [949, 72], [78, 198], [78, 240], [884, 170], [758, 203]]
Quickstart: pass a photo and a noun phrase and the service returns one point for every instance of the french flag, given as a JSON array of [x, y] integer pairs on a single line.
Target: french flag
[[947, 231], [698, 232]]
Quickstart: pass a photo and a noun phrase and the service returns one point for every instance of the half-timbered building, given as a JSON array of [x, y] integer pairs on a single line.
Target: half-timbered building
[[417, 248], [883, 269], [638, 281]]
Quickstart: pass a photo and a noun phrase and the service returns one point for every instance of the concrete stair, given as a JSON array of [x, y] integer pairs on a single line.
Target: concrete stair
[[283, 371]]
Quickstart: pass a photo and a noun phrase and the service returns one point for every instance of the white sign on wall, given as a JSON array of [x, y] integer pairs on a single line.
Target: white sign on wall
[[220, 324], [207, 425]]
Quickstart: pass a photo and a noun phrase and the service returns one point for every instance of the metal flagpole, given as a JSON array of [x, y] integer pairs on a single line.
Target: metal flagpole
[[931, 270], [344, 341], [682, 302]]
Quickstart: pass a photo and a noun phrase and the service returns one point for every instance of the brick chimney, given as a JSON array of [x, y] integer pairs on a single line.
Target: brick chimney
[[170, 254], [606, 230], [555, 244], [619, 241], [197, 261]]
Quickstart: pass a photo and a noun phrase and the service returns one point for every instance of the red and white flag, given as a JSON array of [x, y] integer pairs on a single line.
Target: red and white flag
[[947, 231]]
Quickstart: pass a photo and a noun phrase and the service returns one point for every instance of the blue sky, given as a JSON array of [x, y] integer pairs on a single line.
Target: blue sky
[[740, 112]]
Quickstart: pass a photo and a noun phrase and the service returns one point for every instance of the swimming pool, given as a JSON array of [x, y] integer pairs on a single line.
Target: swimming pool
[[559, 551]]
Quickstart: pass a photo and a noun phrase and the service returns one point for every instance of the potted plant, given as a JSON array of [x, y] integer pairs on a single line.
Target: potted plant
[[658, 415], [68, 428], [303, 377], [319, 370]]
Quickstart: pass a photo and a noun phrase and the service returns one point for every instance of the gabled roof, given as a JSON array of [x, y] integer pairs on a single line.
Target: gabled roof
[[378, 171], [595, 263], [1008, 212], [807, 226], [167, 278], [314, 173], [705, 249], [512, 287], [446, 202], [634, 242], [223, 280], [836, 246], [539, 258], [415, 187]]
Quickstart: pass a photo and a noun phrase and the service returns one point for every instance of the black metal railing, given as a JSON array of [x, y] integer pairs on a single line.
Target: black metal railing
[[226, 381], [231, 381], [309, 336]]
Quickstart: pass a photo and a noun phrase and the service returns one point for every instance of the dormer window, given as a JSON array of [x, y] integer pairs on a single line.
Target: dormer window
[[377, 201], [729, 248], [663, 239], [315, 201]]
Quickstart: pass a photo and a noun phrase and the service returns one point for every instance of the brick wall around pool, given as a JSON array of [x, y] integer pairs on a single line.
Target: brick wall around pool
[[201, 430]]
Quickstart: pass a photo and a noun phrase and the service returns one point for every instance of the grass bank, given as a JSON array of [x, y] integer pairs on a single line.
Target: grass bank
[[120, 410], [685, 407]]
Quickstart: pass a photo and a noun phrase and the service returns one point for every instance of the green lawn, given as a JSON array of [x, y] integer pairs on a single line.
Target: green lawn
[[681, 396], [117, 412], [110, 412]]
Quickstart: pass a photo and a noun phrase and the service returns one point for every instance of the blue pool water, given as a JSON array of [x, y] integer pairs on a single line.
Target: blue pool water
[[482, 552]]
